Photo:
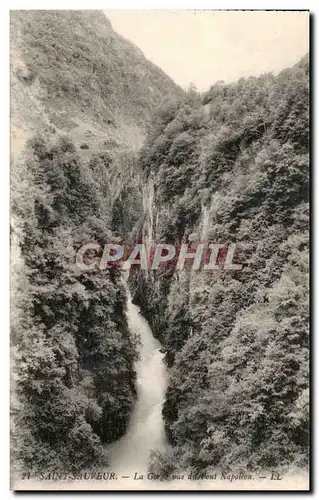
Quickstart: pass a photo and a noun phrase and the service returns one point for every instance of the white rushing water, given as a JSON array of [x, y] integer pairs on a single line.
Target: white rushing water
[[145, 431]]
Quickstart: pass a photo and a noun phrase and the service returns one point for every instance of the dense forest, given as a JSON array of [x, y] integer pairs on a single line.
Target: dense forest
[[73, 352], [231, 166], [105, 148]]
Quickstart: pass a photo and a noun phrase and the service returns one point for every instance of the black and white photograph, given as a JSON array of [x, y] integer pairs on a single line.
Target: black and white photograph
[[159, 250]]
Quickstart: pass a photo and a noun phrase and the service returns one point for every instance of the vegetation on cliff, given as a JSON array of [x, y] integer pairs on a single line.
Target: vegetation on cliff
[[232, 167]]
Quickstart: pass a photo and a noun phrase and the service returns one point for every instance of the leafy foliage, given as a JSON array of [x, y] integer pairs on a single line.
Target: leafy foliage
[[232, 166], [74, 378]]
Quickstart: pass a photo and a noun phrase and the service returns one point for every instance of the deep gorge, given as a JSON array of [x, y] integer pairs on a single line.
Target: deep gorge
[[226, 166]]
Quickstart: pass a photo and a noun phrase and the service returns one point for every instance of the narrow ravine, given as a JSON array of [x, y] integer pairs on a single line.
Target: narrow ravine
[[145, 431]]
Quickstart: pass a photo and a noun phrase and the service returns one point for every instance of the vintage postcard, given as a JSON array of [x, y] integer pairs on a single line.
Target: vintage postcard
[[159, 250]]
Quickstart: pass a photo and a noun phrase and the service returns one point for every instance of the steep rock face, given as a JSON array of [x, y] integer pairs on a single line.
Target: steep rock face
[[81, 101], [232, 166]]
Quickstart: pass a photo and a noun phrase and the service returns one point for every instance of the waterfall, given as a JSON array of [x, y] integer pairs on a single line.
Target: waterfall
[[148, 206], [209, 214], [145, 430], [205, 223]]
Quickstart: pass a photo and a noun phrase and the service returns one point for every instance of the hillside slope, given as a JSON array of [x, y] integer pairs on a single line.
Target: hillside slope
[[72, 73]]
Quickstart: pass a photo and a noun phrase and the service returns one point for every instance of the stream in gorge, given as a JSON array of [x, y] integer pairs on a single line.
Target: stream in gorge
[[145, 430]]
